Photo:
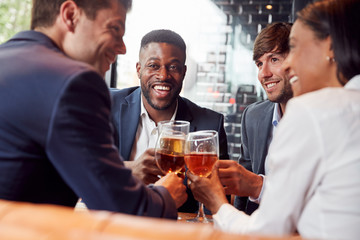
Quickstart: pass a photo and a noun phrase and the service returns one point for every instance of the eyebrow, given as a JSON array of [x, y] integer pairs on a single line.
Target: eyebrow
[[175, 60], [157, 59], [272, 54]]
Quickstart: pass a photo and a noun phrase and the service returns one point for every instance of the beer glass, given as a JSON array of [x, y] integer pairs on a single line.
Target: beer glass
[[169, 149], [201, 153]]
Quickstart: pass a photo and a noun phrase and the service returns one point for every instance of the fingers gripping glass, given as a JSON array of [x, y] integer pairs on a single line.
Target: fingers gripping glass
[[201, 153]]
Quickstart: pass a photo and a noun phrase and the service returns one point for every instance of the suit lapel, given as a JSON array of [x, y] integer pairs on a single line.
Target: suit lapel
[[264, 126], [130, 112], [183, 113]]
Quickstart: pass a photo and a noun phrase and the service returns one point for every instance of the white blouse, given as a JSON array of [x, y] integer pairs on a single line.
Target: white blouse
[[313, 184]]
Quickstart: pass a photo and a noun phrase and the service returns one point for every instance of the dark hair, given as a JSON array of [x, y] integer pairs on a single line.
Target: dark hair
[[164, 36], [44, 12], [274, 36], [338, 19]]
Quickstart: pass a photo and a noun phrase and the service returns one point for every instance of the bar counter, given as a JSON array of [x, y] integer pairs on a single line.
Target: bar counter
[[20, 221]]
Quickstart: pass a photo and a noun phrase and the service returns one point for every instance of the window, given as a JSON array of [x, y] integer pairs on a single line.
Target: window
[[14, 17]]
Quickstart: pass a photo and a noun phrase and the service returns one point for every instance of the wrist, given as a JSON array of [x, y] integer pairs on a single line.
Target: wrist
[[217, 204], [128, 164], [256, 186]]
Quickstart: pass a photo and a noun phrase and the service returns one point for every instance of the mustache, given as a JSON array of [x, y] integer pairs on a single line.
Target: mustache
[[272, 80], [157, 82]]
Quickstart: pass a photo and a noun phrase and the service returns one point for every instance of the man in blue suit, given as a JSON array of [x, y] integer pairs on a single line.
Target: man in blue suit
[[137, 110], [260, 119], [56, 140]]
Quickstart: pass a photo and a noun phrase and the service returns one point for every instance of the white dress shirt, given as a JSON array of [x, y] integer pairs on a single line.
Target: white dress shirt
[[146, 133], [313, 183]]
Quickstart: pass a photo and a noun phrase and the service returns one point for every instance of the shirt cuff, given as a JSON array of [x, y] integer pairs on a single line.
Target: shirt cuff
[[258, 200], [230, 219]]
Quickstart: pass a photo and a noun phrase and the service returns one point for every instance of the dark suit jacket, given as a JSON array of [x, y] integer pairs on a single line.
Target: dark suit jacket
[[126, 112], [256, 128], [56, 140]]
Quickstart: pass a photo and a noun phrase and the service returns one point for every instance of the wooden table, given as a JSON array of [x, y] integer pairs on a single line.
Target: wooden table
[[28, 221]]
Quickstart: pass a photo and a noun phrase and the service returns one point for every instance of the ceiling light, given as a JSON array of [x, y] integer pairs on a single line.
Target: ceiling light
[[269, 7]]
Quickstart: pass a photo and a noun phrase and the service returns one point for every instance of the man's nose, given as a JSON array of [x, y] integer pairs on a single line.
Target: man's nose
[[163, 73], [120, 47], [265, 71]]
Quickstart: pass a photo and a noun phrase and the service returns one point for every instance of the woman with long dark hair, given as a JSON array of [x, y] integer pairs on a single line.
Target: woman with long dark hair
[[314, 159]]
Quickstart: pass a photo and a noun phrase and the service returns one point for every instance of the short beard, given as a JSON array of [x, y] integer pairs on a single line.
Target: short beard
[[146, 94], [285, 95]]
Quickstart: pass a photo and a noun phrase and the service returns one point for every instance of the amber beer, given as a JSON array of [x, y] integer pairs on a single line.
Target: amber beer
[[200, 164], [170, 155]]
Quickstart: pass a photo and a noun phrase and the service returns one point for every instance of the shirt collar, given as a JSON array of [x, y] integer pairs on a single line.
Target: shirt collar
[[144, 113], [276, 115], [354, 83]]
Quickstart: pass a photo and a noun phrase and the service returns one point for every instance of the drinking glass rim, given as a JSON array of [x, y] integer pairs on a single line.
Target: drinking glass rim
[[213, 132], [179, 123], [208, 134]]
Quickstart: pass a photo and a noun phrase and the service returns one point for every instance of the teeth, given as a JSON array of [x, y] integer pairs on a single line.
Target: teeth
[[293, 79], [164, 88], [270, 85]]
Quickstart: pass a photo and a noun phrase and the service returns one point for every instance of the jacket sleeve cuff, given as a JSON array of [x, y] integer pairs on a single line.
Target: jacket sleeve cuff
[[166, 203]]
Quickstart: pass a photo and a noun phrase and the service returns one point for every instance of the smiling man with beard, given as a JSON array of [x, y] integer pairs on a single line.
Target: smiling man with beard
[[137, 110], [260, 120]]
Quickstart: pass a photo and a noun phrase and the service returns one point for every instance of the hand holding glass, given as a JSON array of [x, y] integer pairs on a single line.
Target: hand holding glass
[[201, 153]]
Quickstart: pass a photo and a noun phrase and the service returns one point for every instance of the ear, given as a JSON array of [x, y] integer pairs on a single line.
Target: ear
[[138, 68], [329, 48], [69, 13]]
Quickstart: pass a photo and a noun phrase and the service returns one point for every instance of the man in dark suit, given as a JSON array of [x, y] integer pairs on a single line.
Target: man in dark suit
[[56, 140], [260, 119], [137, 110]]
